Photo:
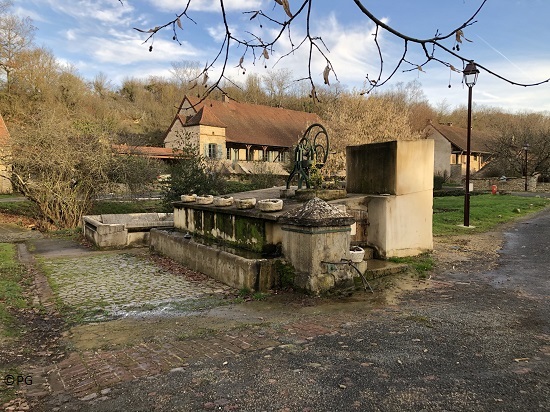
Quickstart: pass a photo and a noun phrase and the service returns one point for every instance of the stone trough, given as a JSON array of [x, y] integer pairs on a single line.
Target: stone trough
[[123, 230], [241, 247]]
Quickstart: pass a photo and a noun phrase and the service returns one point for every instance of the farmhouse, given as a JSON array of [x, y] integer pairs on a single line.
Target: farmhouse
[[238, 132], [450, 149]]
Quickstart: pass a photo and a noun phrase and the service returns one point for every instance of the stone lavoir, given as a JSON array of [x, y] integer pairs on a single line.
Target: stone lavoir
[[312, 238]]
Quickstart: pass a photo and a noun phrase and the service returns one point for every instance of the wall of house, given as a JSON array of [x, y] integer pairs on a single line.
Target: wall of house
[[442, 148], [270, 156], [443, 158], [476, 162], [212, 135], [179, 135], [5, 183]]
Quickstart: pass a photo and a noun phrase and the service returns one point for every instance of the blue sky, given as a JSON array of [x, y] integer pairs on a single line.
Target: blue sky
[[511, 37]]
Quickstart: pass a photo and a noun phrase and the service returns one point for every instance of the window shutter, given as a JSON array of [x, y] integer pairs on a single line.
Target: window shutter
[[219, 151]]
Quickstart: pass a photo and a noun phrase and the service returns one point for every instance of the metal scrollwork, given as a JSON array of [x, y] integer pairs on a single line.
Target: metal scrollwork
[[311, 151]]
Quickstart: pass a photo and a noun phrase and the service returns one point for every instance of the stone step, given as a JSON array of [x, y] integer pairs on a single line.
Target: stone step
[[378, 268]]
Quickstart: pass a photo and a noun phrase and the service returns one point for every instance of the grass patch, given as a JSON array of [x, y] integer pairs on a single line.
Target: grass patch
[[20, 208], [486, 212], [73, 234], [11, 291], [138, 206], [245, 295], [421, 264], [10, 195]]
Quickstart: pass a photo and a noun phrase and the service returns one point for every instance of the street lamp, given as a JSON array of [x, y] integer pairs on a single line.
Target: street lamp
[[526, 149], [470, 73]]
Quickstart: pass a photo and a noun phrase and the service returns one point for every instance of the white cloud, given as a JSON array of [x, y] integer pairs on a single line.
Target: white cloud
[[177, 6], [87, 12], [217, 32], [351, 51], [22, 11]]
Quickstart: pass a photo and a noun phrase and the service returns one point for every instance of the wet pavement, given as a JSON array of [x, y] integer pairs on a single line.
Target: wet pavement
[[111, 284]]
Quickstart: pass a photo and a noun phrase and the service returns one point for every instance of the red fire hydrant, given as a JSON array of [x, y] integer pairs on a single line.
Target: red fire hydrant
[[494, 189]]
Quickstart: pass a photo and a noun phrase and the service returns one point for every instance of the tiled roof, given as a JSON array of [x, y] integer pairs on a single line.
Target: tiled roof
[[458, 136], [147, 151], [252, 124], [206, 117], [4, 134]]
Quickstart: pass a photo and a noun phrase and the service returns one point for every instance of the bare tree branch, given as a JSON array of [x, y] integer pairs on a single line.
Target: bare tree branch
[[261, 49]]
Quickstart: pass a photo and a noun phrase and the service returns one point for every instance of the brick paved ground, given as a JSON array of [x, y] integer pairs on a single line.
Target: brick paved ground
[[101, 286], [88, 374]]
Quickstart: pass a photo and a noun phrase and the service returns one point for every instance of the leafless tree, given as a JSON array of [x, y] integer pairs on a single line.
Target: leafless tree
[[16, 35], [443, 47]]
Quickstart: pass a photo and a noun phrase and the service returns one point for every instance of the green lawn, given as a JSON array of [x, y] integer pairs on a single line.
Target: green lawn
[[11, 296], [486, 212], [138, 206], [23, 208]]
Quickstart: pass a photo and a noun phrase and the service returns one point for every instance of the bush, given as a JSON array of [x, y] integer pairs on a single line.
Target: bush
[[192, 173]]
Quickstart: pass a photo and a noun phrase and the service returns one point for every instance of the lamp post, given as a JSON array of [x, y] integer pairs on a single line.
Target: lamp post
[[526, 149], [470, 73]]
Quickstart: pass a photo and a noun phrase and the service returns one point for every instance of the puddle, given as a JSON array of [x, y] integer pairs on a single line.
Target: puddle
[[130, 332], [401, 285], [210, 315]]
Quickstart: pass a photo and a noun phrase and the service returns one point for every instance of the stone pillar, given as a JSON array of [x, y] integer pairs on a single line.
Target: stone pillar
[[397, 179], [314, 236]]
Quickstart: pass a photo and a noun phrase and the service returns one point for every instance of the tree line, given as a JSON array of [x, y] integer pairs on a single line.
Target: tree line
[[62, 125]]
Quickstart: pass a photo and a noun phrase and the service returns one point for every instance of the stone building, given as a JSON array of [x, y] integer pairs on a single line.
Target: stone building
[[238, 132], [5, 159], [450, 146]]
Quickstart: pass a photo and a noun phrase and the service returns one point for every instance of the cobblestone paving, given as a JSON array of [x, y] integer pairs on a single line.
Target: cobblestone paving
[[119, 283]]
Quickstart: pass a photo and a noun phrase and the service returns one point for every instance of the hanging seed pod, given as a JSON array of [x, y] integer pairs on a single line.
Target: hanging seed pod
[[325, 74], [286, 6]]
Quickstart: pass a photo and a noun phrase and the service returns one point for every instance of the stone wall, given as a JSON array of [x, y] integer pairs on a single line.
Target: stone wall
[[236, 271], [516, 184]]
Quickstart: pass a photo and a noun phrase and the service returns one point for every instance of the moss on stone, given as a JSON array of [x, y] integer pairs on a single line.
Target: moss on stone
[[249, 234]]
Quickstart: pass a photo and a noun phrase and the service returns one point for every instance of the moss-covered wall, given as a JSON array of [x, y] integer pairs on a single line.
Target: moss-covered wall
[[245, 232]]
